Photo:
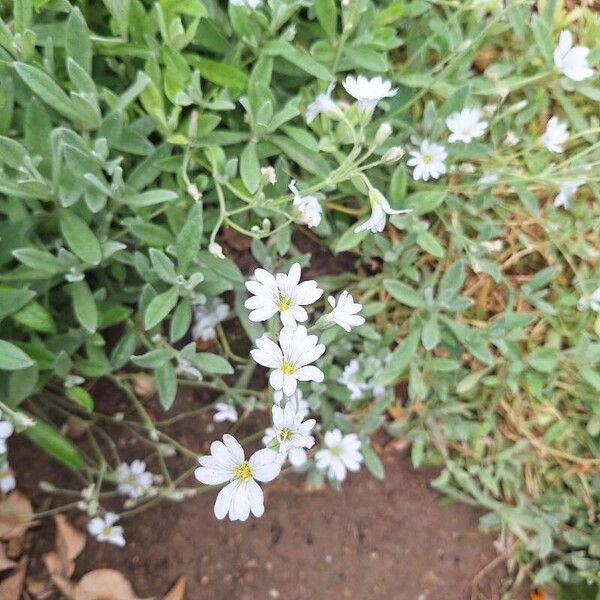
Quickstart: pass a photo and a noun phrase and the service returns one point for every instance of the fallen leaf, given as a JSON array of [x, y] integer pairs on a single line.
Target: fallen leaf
[[177, 592], [16, 516], [59, 572], [5, 562], [39, 588], [70, 542], [104, 584], [12, 586]]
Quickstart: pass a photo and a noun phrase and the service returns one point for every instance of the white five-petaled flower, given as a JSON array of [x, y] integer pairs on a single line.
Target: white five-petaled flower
[[7, 479], [206, 319], [341, 454], [322, 104], [282, 294], [309, 207], [249, 3], [380, 208], [572, 60], [6, 430], [465, 125], [290, 431], [242, 494], [224, 412], [290, 359], [344, 311], [368, 92], [133, 480], [105, 530], [556, 134], [428, 161], [567, 191]]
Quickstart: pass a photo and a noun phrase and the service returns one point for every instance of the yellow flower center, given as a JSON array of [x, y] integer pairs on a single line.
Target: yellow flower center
[[427, 158], [243, 472], [335, 452], [285, 434], [288, 367], [283, 302]]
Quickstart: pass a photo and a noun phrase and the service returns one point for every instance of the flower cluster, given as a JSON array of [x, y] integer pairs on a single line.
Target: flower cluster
[[292, 433]]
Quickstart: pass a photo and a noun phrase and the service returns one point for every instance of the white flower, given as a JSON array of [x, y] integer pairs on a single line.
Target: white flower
[[297, 398], [465, 125], [7, 479], [488, 179], [290, 360], [206, 319], [511, 139], [380, 207], [224, 412], [242, 494], [282, 293], [344, 311], [595, 301], [341, 454], [556, 134], [357, 387], [368, 92], [322, 104], [428, 161], [249, 3], [568, 189], [133, 480], [105, 530], [290, 430], [6, 430], [309, 207], [572, 61], [216, 250]]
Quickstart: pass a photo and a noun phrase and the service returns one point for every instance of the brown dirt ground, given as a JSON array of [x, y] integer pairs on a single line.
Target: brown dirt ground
[[375, 540]]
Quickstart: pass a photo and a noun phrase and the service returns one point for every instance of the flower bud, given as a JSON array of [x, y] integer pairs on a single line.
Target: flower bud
[[383, 133], [216, 250], [393, 154]]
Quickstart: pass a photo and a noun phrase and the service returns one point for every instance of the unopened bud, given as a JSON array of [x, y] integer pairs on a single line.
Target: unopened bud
[[393, 154], [216, 250], [383, 133], [194, 192], [269, 175]]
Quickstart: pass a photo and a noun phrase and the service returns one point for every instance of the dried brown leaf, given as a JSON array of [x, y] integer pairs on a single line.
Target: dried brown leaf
[[104, 584], [177, 592], [12, 586], [70, 542], [5, 562], [16, 516]]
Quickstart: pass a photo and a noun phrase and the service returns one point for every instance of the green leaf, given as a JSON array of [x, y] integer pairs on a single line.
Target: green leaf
[[212, 363], [188, 240], [123, 350], [326, 12], [373, 462], [153, 358], [13, 358], [166, 384], [79, 237], [81, 397], [11, 300], [84, 305], [35, 316], [150, 198], [221, 73], [181, 321], [424, 202], [160, 307], [403, 293], [78, 43], [55, 444], [401, 357], [250, 167]]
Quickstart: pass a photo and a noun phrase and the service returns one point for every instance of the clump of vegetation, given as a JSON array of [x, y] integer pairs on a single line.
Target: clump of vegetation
[[450, 149]]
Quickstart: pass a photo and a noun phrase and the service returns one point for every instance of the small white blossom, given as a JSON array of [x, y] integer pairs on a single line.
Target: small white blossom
[[380, 208], [556, 134], [242, 494], [344, 311], [354, 385], [216, 250], [341, 454], [323, 104], [105, 530], [290, 359], [567, 192], [572, 60], [133, 480], [6, 430], [368, 92], [206, 319], [253, 4], [269, 175], [511, 139], [309, 207], [224, 412], [466, 125], [428, 161], [590, 302], [290, 431], [357, 382], [7, 479], [282, 294], [488, 179]]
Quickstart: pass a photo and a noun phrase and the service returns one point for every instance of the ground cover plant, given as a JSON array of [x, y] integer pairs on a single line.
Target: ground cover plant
[[160, 163]]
